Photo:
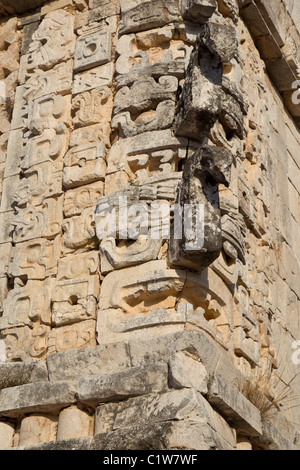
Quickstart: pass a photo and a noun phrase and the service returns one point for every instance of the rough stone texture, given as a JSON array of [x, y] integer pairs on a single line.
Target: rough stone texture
[[127, 321], [89, 361], [128, 383], [170, 435], [73, 423], [6, 435], [80, 443], [41, 396], [21, 373], [36, 429], [187, 371], [232, 404]]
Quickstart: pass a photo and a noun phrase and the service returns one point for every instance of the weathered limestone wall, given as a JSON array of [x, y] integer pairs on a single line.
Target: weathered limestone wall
[[161, 102]]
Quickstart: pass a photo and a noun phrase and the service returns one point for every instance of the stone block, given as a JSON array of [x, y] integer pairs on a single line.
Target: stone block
[[124, 384], [55, 5], [36, 259], [186, 371], [161, 348], [82, 197], [14, 153], [76, 336], [37, 397], [74, 300], [58, 79], [234, 406], [105, 417], [171, 406], [170, 435], [102, 9], [25, 304], [79, 231], [52, 42], [89, 361], [93, 49], [94, 78], [273, 439], [19, 373], [84, 164], [46, 220], [198, 10], [149, 15], [5, 257], [28, 31]]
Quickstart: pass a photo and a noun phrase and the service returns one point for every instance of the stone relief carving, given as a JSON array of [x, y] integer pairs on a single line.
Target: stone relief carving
[[162, 102]]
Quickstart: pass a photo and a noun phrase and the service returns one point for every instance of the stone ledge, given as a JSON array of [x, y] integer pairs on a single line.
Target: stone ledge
[[161, 348], [176, 405], [20, 373], [131, 382], [36, 397], [175, 435], [234, 406]]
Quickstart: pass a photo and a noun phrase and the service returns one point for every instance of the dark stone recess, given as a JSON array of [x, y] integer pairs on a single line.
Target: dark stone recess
[[18, 7]]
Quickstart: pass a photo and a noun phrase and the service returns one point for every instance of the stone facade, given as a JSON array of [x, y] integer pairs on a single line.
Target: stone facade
[[126, 341]]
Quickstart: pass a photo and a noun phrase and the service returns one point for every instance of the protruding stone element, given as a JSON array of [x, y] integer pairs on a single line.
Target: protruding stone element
[[198, 10], [137, 155], [137, 289], [202, 240], [200, 103], [231, 403], [127, 254]]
